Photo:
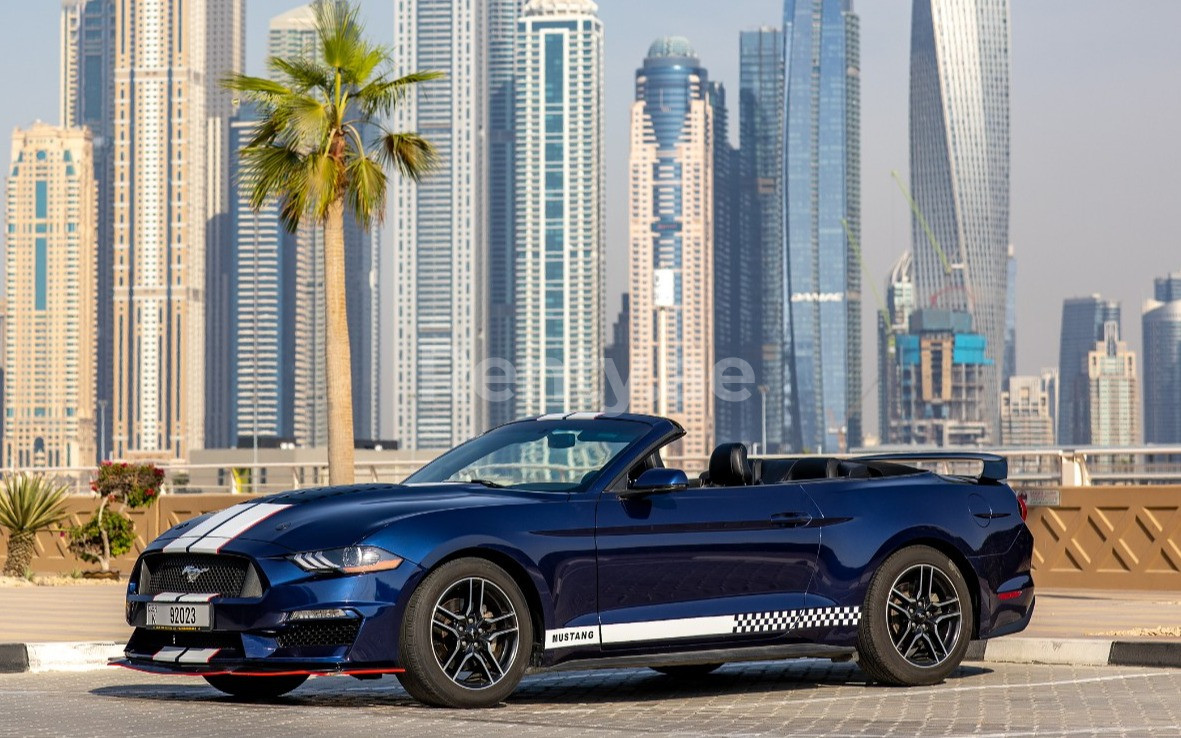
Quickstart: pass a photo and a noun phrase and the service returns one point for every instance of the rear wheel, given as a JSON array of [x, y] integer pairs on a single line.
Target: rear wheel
[[687, 671], [255, 687], [466, 637], [917, 620]]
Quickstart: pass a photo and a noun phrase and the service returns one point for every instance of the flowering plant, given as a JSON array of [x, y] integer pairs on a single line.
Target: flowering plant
[[136, 485], [110, 533]]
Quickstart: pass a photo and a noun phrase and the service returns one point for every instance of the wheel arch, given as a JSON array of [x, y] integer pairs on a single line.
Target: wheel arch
[[527, 580], [957, 557]]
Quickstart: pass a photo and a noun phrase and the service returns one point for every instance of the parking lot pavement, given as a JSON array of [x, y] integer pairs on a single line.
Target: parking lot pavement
[[784, 698]]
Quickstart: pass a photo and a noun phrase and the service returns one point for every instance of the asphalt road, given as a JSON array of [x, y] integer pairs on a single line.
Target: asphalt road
[[785, 698]]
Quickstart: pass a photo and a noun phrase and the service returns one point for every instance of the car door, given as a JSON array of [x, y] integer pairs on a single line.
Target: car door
[[702, 566]]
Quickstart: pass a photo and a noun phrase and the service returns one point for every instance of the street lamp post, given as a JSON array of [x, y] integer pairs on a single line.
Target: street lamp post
[[763, 408]]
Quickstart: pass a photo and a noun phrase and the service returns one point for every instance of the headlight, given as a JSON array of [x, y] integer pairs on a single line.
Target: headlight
[[350, 560]]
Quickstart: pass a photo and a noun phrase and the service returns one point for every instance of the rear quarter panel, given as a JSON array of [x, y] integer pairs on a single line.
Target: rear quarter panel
[[864, 521]]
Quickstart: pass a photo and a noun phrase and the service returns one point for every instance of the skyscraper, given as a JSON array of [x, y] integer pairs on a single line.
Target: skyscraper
[[822, 216], [749, 315], [1113, 391], [893, 322], [1162, 362], [49, 339], [160, 157], [1083, 319], [441, 280], [88, 99], [1027, 417], [672, 239], [1010, 359], [559, 201], [263, 304], [293, 35], [959, 167]]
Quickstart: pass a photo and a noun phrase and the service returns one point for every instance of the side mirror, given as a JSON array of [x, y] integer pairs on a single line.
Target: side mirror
[[657, 481]]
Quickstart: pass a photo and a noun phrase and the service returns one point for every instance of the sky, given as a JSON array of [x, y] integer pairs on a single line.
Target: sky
[[1096, 136]]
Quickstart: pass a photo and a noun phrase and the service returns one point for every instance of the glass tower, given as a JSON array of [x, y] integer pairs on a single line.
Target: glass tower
[[560, 241], [671, 234], [822, 215], [1083, 319], [959, 168], [1162, 362], [750, 311], [445, 266]]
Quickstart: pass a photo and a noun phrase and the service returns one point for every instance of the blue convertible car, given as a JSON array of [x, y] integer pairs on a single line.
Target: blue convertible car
[[564, 541]]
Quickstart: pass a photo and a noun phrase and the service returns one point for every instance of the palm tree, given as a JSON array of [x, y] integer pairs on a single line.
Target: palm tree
[[309, 154], [28, 504]]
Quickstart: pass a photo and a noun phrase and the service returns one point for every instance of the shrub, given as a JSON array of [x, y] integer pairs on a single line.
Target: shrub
[[86, 540], [28, 503]]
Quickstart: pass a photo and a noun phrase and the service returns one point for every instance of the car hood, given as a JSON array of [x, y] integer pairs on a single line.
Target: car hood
[[328, 517]]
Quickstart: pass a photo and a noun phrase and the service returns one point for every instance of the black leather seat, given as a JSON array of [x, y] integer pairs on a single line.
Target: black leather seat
[[774, 471], [814, 467], [729, 466]]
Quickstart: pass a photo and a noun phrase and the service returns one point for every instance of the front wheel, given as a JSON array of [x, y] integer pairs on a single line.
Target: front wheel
[[466, 637], [917, 620], [255, 687]]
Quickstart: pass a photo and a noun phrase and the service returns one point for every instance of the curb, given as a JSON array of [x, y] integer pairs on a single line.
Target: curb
[[1076, 652], [16, 658]]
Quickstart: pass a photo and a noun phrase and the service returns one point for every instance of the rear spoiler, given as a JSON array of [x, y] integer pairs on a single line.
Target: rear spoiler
[[995, 468]]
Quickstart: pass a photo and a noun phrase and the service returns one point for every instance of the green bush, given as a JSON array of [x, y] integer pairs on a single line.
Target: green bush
[[86, 540]]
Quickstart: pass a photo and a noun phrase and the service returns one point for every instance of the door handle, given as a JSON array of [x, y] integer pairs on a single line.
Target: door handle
[[791, 519]]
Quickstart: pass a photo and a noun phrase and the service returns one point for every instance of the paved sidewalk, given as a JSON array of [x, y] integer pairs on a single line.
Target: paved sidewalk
[[38, 614]]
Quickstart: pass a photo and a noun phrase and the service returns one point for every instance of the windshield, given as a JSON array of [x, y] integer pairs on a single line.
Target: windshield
[[545, 455]]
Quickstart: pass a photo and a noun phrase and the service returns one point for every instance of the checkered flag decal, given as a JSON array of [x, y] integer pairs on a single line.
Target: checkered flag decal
[[782, 620]]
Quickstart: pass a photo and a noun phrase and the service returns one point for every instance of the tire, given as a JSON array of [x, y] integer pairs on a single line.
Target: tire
[[687, 671], [917, 620], [466, 637], [255, 687]]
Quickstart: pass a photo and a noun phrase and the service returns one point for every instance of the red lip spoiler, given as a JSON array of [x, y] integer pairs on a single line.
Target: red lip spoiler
[[126, 664]]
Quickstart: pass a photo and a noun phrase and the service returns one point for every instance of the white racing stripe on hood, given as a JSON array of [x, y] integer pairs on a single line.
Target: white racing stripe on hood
[[235, 527], [190, 537]]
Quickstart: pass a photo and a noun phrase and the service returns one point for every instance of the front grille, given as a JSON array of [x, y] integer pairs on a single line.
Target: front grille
[[320, 633], [227, 576]]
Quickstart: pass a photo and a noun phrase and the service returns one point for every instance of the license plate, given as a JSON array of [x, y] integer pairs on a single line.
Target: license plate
[[180, 616]]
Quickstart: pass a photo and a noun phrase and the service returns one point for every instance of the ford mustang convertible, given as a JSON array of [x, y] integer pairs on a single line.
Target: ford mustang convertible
[[565, 542]]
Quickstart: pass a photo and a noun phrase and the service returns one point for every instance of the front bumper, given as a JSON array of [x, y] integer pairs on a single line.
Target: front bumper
[[259, 635]]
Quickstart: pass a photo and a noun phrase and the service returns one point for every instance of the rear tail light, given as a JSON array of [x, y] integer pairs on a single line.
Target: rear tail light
[[1024, 507]]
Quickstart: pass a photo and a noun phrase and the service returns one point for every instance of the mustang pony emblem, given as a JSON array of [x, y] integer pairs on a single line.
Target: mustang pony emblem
[[191, 572]]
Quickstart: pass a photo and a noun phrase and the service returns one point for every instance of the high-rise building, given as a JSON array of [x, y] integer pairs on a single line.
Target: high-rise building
[[1010, 361], [293, 35], [225, 52], [941, 367], [501, 40], [88, 99], [671, 233], [1027, 417], [1162, 362], [263, 314], [1083, 319], [1113, 391], [442, 280], [822, 216], [748, 288], [959, 168], [616, 365], [49, 339], [559, 193], [161, 155], [893, 322]]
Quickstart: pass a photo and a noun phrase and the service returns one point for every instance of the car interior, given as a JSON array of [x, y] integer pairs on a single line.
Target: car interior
[[731, 466]]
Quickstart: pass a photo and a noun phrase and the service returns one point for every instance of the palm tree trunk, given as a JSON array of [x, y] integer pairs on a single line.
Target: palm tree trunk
[[21, 547], [338, 361]]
